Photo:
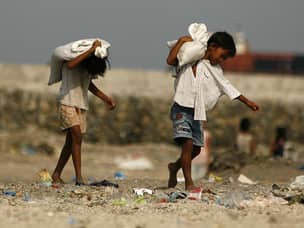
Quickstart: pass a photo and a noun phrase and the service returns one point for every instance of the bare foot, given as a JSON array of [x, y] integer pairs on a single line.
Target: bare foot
[[79, 181], [172, 182], [57, 179], [191, 187]]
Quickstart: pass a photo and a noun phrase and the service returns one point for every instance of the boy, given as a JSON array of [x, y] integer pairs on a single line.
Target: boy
[[197, 89], [77, 75]]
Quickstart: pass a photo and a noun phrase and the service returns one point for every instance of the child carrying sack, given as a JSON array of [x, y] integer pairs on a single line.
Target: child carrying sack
[[70, 51], [193, 50]]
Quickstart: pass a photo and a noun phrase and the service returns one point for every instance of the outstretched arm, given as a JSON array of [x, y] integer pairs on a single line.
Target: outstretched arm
[[76, 61], [172, 57], [98, 93], [253, 106]]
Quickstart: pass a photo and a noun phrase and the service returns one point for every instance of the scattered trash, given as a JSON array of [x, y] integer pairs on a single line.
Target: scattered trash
[[195, 194], [233, 199], [171, 197], [104, 183], [71, 221], [299, 198], [120, 202], [9, 193], [280, 192], [174, 196], [45, 178], [266, 201], [290, 195], [245, 180], [27, 149], [142, 191], [214, 178], [161, 197], [298, 183], [140, 201], [133, 163], [208, 191], [119, 176], [26, 197]]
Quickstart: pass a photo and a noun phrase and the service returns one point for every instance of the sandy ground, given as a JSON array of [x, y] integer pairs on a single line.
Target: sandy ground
[[37, 205]]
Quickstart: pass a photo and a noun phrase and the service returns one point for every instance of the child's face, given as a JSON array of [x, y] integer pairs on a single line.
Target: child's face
[[218, 55]]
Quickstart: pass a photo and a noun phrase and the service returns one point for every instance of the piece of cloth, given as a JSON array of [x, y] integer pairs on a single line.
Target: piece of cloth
[[184, 126], [74, 87], [70, 51], [202, 91], [70, 116], [244, 142], [82, 46]]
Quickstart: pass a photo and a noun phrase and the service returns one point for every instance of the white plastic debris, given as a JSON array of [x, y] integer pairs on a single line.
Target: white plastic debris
[[245, 180], [298, 183], [142, 191], [195, 194]]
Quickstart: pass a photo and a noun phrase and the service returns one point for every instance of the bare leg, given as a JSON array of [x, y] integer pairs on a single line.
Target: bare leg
[[63, 159], [76, 152], [175, 166]]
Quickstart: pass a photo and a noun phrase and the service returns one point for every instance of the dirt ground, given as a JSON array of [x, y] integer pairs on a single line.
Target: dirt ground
[[27, 201], [36, 204]]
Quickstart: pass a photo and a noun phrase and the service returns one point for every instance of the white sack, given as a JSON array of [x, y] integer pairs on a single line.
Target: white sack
[[70, 51], [193, 50]]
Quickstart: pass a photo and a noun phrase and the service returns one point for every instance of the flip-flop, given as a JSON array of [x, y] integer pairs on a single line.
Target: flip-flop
[[80, 184], [104, 183]]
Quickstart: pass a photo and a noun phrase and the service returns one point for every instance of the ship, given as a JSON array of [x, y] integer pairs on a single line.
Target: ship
[[247, 61]]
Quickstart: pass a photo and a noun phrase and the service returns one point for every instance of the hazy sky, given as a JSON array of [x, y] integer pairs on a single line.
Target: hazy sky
[[138, 29]]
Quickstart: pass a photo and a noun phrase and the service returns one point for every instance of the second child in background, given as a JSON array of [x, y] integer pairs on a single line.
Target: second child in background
[[245, 142], [277, 146]]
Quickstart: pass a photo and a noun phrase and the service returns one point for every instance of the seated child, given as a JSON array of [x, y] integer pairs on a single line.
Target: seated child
[[245, 142]]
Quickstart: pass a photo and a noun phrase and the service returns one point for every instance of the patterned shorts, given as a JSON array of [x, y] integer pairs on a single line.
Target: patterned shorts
[[184, 125], [70, 116]]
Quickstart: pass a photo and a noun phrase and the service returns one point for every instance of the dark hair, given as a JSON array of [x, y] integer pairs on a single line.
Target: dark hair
[[281, 133], [96, 65], [224, 40], [245, 124]]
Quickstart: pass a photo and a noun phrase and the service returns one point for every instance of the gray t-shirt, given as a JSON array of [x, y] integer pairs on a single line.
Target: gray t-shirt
[[74, 87]]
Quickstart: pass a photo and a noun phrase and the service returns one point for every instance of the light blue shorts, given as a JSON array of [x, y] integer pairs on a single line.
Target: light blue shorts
[[184, 125]]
